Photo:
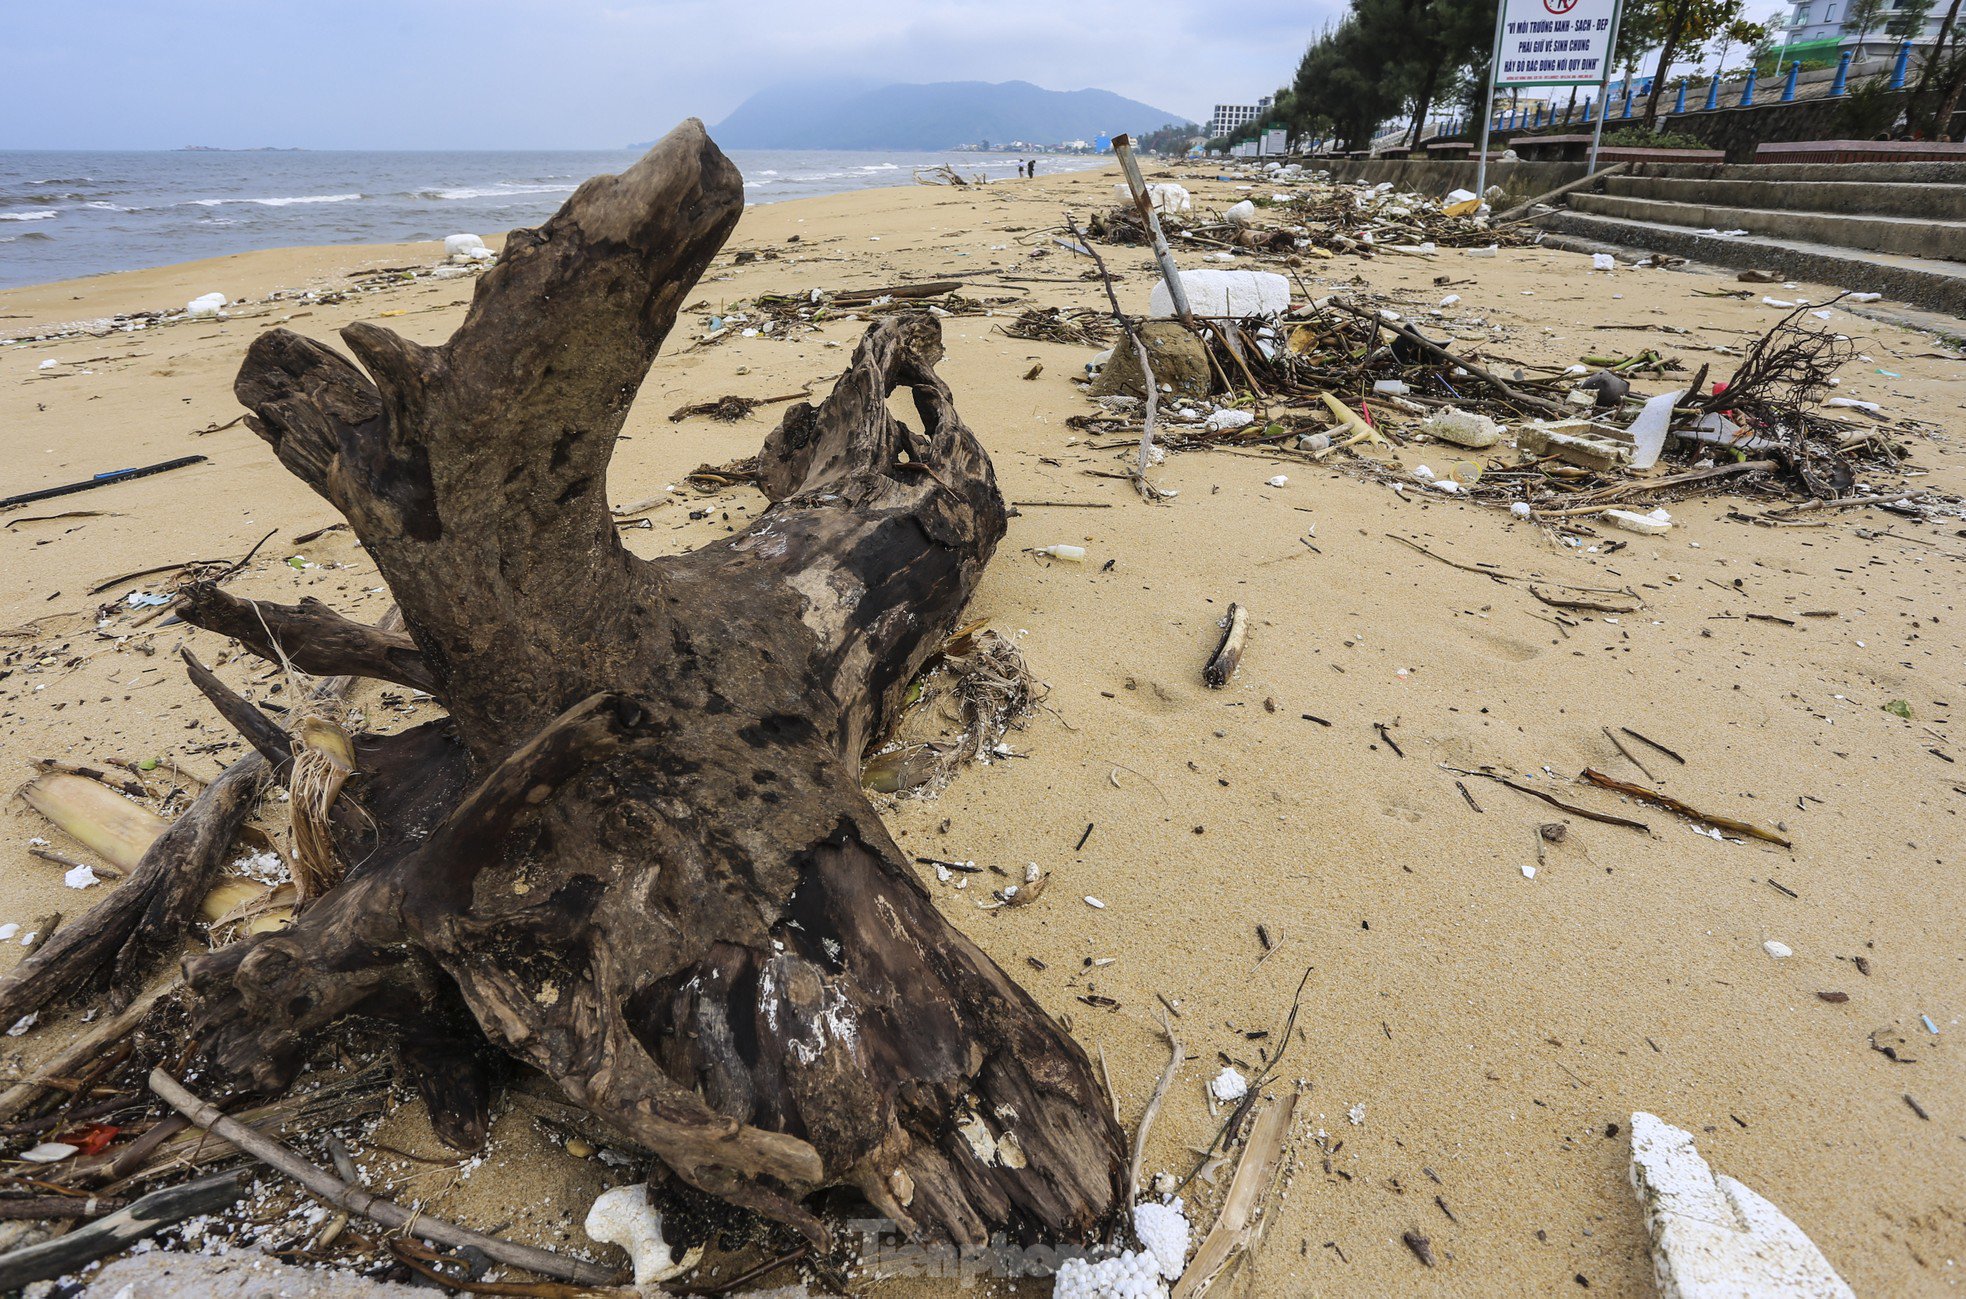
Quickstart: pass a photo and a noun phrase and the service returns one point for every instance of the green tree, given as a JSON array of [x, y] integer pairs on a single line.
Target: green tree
[[1945, 67], [1739, 31], [1170, 141], [1862, 18], [1681, 23], [1342, 85], [1907, 20], [1426, 45], [1642, 27]]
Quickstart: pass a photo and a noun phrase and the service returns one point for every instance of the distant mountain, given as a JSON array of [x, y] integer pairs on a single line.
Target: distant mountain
[[941, 115]]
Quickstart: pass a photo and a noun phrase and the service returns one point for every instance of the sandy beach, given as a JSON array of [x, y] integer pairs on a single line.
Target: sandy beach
[[1474, 1040]]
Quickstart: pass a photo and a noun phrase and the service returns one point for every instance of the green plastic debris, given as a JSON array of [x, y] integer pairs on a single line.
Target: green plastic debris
[[1899, 708]]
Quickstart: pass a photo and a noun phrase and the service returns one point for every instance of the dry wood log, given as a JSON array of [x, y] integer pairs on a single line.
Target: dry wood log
[[118, 941], [925, 289], [34, 1208], [92, 1041], [118, 1231], [636, 855], [309, 635]]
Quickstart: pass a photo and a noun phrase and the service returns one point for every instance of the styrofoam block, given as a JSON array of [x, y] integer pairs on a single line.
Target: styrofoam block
[[1712, 1237], [1165, 198], [1225, 293]]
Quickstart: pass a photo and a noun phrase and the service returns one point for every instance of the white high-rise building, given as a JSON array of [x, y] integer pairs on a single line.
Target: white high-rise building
[[1228, 117], [1816, 27]]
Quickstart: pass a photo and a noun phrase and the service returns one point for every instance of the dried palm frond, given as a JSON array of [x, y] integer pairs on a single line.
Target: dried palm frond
[[324, 759]]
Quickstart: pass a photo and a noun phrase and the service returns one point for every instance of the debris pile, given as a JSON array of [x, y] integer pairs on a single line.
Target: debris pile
[[1294, 215], [1079, 325], [216, 307], [786, 316], [1558, 445]]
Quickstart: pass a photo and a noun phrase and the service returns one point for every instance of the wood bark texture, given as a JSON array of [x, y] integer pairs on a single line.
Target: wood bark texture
[[636, 855]]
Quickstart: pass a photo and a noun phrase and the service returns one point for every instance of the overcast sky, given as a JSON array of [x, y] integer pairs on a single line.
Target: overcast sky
[[515, 74]]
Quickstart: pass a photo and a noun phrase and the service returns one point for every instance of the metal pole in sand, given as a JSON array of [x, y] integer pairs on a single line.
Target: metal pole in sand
[[1123, 148]]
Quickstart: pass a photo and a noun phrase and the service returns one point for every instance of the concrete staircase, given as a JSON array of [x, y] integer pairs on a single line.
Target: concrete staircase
[[1893, 228]]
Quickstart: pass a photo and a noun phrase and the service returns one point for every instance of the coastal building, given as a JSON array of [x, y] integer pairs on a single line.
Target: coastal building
[[1227, 117], [1814, 31]]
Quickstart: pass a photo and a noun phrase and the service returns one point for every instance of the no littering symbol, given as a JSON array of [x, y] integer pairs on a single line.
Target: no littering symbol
[[1559, 6]]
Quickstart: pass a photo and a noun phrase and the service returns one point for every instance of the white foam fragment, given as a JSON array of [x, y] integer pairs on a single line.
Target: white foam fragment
[[1632, 521], [1163, 1229], [206, 307], [1462, 428], [623, 1216], [1237, 294], [1134, 1274], [1163, 197], [1225, 418], [1229, 1085], [1712, 1236]]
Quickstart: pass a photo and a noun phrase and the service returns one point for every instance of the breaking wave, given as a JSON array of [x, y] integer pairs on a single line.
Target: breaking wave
[[501, 190], [280, 202]]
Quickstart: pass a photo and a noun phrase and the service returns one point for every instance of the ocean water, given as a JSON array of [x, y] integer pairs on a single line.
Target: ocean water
[[64, 215]]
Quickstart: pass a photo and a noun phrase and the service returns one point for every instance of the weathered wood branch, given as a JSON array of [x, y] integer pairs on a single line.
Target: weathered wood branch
[[354, 1199], [118, 941], [309, 635], [119, 1231], [638, 852]]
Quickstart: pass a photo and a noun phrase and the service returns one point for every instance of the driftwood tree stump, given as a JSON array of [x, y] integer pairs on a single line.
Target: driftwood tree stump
[[636, 855]]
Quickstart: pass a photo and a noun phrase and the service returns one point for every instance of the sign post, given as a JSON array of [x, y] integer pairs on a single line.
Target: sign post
[[1604, 86], [1549, 43]]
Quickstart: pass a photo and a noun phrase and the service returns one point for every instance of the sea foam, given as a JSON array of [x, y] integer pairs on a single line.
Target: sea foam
[[279, 202]]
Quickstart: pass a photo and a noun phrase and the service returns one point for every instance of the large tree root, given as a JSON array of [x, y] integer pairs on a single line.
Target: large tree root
[[636, 855]]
